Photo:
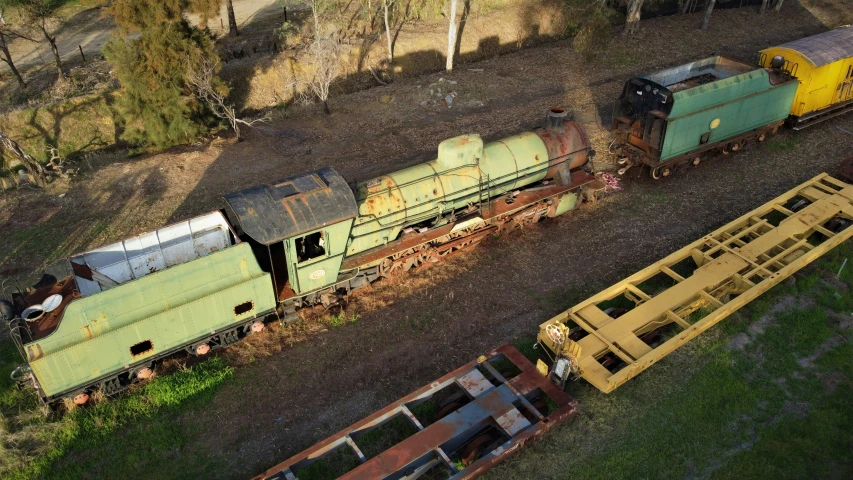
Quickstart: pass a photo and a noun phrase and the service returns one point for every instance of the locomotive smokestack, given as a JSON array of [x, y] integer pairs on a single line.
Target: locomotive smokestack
[[554, 120]]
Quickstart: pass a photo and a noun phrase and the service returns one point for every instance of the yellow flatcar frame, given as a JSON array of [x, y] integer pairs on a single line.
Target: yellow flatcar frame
[[734, 265]]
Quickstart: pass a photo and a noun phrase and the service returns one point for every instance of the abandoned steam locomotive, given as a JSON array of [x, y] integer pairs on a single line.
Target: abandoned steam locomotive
[[309, 239]]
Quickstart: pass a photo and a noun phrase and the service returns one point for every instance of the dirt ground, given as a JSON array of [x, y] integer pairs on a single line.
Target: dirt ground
[[410, 332]]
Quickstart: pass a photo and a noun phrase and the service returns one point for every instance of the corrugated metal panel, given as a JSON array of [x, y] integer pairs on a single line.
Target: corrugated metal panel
[[275, 211], [111, 265], [824, 48]]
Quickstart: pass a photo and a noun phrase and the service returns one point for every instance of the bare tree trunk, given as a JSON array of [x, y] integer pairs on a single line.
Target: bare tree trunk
[[388, 31], [451, 34], [326, 107], [53, 48], [7, 57], [32, 165], [763, 8], [315, 12], [232, 20], [686, 6], [632, 21], [779, 4], [707, 20]]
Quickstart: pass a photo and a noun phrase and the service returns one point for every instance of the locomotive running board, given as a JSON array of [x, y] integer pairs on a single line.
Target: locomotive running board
[[491, 416], [731, 267]]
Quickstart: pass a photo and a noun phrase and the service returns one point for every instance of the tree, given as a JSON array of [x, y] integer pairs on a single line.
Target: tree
[[324, 53], [451, 34], [632, 21], [319, 9], [232, 20], [6, 35], [708, 10], [595, 29], [201, 76], [778, 4], [42, 15], [387, 5], [764, 5], [155, 99], [205, 9]]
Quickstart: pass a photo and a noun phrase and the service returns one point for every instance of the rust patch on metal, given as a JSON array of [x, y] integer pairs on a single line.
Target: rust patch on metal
[[34, 352], [82, 271]]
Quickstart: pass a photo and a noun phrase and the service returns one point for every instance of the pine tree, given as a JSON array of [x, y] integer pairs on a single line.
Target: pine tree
[[155, 99]]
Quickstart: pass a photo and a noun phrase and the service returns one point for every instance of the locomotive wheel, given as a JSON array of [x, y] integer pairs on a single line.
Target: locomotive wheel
[[258, 326], [735, 146], [472, 452], [202, 349], [81, 399], [762, 137], [144, 373], [696, 161]]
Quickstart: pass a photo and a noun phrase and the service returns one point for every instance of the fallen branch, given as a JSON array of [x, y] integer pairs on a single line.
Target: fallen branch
[[375, 75]]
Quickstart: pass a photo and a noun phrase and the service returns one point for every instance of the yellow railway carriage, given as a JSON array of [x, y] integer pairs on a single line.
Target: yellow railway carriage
[[823, 64]]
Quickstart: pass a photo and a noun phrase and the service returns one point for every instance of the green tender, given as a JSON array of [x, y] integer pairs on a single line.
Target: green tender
[[167, 308], [741, 103]]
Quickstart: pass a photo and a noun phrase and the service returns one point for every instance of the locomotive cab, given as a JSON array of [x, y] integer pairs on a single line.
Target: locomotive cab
[[298, 228]]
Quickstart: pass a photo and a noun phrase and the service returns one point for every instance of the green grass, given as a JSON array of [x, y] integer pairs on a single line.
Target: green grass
[[117, 438], [781, 144], [341, 318], [779, 408]]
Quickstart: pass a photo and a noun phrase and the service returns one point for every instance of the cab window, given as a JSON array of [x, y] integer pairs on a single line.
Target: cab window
[[310, 246]]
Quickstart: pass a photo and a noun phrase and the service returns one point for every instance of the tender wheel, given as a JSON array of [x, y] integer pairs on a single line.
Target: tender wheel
[[81, 399], [659, 172], [144, 373], [762, 137], [696, 161], [735, 147], [258, 327], [202, 349]]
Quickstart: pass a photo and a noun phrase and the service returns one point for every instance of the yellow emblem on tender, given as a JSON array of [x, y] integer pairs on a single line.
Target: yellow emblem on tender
[[317, 274], [715, 123]]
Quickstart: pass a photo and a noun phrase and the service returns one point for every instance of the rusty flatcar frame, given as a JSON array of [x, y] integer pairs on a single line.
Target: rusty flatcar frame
[[493, 403], [733, 266]]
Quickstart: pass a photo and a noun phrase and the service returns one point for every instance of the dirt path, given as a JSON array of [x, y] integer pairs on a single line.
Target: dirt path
[[412, 331], [88, 28]]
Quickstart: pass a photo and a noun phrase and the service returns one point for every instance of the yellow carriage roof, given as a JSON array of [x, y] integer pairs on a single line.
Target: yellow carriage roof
[[826, 47]]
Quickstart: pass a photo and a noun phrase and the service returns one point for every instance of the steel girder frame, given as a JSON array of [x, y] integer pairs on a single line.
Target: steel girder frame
[[492, 401], [733, 265]]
